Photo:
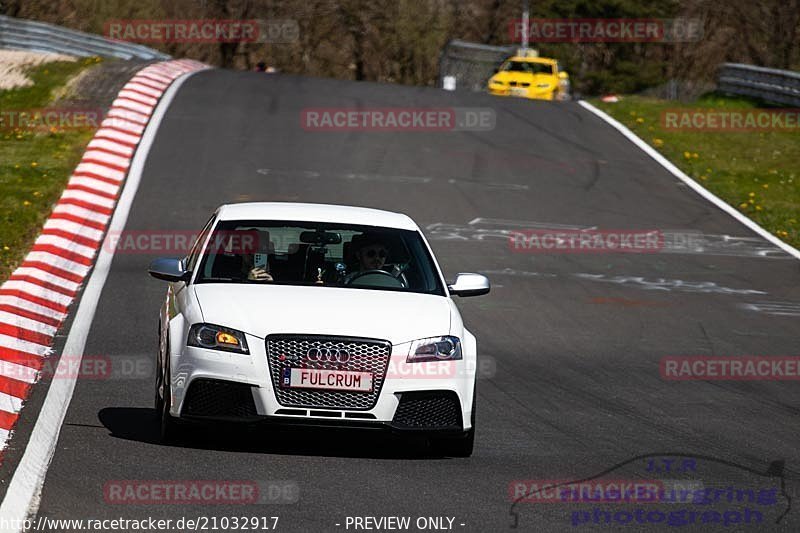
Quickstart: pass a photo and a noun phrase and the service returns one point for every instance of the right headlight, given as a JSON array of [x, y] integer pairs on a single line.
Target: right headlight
[[215, 337], [446, 348]]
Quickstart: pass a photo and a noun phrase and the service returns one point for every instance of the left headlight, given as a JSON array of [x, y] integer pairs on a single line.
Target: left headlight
[[214, 337], [447, 348]]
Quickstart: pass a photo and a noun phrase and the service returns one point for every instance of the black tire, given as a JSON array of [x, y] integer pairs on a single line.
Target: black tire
[[170, 430], [460, 445], [158, 401]]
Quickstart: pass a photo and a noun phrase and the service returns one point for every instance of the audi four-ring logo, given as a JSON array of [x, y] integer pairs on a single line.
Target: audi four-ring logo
[[328, 355]]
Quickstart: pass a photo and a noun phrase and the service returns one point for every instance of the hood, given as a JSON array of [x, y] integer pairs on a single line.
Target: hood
[[262, 310]]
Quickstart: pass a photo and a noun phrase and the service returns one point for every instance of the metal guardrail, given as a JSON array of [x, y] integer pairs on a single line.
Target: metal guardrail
[[24, 34], [470, 64], [772, 85]]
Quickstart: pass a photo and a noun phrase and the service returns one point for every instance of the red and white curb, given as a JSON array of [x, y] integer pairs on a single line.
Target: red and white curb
[[35, 299]]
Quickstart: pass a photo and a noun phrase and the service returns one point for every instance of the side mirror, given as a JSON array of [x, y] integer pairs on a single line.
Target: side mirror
[[469, 285], [168, 269], [563, 75]]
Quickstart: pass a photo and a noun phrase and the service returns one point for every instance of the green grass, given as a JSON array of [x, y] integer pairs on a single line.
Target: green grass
[[34, 166], [756, 172]]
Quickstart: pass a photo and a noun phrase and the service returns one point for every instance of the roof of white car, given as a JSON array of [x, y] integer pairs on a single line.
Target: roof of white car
[[341, 214]]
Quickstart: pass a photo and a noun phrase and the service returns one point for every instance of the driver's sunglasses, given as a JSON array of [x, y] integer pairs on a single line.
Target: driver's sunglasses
[[372, 253]]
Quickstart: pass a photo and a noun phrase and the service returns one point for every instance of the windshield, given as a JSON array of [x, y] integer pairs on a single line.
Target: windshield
[[527, 66], [318, 254]]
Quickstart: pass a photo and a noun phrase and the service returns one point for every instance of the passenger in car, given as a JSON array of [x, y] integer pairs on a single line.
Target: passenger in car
[[253, 272]]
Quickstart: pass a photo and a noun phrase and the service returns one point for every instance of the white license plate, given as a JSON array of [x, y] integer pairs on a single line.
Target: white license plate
[[311, 378], [518, 91]]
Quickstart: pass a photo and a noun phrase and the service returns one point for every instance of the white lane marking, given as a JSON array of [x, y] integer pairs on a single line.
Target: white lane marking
[[674, 241], [512, 272], [639, 282], [699, 189], [497, 185], [481, 221], [22, 497], [351, 176], [662, 284], [774, 308]]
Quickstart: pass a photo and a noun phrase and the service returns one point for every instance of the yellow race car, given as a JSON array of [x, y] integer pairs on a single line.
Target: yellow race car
[[530, 77]]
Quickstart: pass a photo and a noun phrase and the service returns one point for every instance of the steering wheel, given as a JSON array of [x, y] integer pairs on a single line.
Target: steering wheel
[[396, 278]]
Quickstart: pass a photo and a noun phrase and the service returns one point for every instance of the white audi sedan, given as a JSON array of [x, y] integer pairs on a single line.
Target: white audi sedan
[[316, 314]]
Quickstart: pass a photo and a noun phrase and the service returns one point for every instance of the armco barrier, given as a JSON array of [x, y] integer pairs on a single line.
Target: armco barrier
[[780, 87], [24, 34]]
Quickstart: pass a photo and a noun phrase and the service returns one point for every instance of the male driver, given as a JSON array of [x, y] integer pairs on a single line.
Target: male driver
[[371, 253]]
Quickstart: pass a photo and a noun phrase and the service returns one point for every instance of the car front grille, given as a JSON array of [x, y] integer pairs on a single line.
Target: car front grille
[[366, 355]]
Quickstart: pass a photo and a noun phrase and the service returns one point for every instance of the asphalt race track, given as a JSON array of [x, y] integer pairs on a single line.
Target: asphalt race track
[[571, 343]]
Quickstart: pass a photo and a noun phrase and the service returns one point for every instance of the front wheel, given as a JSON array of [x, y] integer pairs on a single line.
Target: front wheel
[[460, 445], [170, 431]]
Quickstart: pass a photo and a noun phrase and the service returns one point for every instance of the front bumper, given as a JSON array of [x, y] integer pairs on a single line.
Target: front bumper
[[533, 94], [212, 385]]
